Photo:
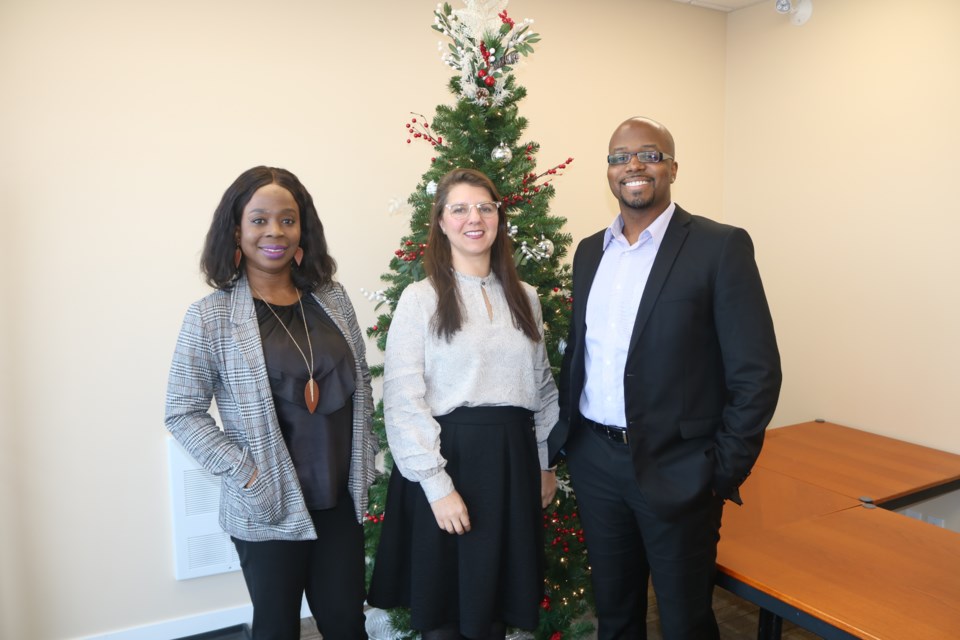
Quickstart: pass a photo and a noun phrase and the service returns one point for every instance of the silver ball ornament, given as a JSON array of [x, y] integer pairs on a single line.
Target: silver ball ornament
[[501, 153], [431, 188], [546, 247]]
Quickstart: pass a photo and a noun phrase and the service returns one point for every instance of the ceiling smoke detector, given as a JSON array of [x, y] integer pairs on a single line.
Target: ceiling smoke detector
[[798, 10]]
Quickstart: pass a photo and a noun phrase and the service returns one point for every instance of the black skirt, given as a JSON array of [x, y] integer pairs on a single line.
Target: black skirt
[[494, 572]]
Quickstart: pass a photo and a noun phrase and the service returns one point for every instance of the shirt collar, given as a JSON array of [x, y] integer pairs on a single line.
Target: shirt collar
[[654, 233]]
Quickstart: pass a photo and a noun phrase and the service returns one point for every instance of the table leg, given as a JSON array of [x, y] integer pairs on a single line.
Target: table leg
[[770, 626]]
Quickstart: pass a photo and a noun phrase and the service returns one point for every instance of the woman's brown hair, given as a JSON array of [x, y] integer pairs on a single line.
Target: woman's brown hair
[[438, 263]]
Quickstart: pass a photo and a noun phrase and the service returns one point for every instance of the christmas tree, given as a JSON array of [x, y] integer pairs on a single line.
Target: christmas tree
[[482, 131]]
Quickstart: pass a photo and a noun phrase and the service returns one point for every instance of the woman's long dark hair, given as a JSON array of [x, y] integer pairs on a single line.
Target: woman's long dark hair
[[438, 263], [216, 262]]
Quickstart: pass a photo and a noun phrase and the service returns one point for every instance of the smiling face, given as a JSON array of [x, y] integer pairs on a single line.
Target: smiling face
[[471, 238], [269, 231], [642, 188]]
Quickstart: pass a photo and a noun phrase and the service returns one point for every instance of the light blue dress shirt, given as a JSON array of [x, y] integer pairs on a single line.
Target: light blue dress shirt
[[611, 313]]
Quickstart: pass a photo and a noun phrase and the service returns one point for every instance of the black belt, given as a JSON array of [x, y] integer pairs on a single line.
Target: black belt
[[617, 434]]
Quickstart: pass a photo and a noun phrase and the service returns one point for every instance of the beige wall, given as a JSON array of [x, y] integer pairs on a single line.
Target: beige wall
[[841, 160], [122, 123], [11, 481]]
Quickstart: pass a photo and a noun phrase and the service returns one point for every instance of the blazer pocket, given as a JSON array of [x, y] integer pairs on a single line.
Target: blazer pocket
[[699, 428], [262, 503]]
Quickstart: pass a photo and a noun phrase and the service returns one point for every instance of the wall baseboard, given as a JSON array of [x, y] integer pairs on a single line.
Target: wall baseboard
[[181, 627], [189, 626]]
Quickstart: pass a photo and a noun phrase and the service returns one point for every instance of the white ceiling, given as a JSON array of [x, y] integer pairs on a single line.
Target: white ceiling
[[722, 5]]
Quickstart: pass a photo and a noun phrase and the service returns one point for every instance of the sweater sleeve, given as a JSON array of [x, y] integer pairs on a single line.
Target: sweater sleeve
[[549, 411], [413, 434]]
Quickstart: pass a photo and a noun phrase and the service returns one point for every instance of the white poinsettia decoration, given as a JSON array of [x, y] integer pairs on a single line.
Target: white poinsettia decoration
[[480, 17], [486, 41]]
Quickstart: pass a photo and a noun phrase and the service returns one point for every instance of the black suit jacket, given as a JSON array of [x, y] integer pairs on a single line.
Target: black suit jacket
[[702, 375]]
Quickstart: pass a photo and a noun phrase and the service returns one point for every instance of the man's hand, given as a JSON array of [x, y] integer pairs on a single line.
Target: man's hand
[[548, 487]]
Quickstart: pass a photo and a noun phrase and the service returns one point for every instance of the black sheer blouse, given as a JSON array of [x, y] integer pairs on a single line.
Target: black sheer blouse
[[319, 443]]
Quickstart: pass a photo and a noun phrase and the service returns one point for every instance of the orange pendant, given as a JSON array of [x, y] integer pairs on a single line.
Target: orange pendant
[[311, 394]]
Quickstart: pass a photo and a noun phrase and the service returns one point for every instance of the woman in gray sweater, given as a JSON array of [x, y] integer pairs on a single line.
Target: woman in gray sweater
[[469, 400]]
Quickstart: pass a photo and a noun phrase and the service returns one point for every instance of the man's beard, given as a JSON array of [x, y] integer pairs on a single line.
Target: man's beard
[[638, 202]]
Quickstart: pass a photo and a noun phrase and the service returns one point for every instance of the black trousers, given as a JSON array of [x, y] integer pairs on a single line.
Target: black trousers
[[627, 544], [330, 570]]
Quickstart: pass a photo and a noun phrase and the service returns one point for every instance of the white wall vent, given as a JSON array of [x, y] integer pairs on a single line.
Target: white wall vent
[[200, 547]]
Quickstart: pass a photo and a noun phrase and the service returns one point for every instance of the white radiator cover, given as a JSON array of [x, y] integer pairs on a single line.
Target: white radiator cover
[[200, 547]]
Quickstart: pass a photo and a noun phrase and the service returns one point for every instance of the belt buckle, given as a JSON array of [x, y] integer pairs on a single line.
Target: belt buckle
[[618, 435], [614, 434]]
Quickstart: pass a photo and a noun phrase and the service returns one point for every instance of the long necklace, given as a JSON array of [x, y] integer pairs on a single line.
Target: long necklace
[[311, 392]]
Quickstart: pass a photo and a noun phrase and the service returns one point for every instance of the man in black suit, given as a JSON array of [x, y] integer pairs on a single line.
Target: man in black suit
[[671, 374]]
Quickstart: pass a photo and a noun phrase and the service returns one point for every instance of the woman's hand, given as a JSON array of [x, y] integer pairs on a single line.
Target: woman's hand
[[548, 487], [249, 484], [451, 514]]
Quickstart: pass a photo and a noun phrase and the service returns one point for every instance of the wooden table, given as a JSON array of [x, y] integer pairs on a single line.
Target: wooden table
[[772, 499], [858, 463], [803, 547]]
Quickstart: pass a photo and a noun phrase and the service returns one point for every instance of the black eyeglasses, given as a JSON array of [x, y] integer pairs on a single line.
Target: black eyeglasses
[[646, 157]]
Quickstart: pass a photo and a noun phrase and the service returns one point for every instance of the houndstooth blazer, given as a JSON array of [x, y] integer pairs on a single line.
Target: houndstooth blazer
[[219, 355]]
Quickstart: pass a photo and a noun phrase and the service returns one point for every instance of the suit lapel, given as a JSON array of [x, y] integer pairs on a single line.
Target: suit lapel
[[326, 298], [587, 270], [245, 330], [673, 239]]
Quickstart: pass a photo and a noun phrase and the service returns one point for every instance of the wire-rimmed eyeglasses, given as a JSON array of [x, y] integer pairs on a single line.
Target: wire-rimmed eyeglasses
[[462, 209]]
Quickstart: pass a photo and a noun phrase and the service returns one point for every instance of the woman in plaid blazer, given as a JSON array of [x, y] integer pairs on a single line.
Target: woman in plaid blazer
[[278, 346]]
